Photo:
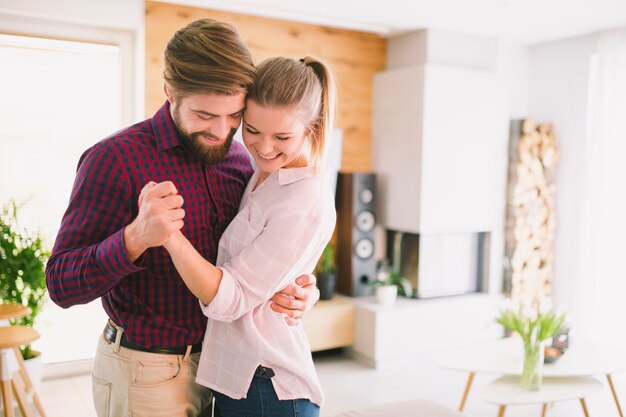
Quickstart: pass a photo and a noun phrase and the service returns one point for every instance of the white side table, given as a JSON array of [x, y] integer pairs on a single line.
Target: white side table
[[505, 357], [506, 391]]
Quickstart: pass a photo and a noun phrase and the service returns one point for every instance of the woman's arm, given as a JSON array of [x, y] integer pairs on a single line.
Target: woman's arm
[[289, 244], [201, 276], [293, 236]]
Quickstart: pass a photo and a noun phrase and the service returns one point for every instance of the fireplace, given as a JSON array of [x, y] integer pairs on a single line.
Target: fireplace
[[441, 264]]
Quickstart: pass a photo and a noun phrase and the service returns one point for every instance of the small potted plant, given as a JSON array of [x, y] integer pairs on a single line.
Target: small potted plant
[[326, 272], [389, 284], [22, 274]]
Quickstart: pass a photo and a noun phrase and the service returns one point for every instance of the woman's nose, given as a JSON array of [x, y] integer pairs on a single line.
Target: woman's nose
[[265, 146]]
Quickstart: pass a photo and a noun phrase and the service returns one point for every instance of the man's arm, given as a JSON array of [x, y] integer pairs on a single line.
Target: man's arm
[[90, 255]]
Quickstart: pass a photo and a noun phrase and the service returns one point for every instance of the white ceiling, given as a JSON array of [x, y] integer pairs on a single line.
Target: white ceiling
[[519, 21]]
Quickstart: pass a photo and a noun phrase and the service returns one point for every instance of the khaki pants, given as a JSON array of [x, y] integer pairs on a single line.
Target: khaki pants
[[130, 383]]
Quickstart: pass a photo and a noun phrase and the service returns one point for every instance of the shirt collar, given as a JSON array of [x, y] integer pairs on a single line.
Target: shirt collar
[[164, 130], [290, 175]]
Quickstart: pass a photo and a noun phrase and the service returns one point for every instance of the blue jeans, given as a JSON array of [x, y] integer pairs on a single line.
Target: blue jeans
[[262, 401]]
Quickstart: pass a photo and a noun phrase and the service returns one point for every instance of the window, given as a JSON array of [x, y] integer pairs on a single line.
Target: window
[[58, 99]]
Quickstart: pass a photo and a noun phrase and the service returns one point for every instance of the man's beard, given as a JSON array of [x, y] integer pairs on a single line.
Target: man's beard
[[205, 154]]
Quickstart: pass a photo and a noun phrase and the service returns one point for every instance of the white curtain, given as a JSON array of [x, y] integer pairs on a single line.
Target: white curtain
[[601, 293]]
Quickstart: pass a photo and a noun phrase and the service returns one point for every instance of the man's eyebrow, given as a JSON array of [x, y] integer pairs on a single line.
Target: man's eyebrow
[[206, 113]]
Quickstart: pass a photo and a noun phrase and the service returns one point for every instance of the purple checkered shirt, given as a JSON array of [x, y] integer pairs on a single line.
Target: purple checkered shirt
[[147, 298]]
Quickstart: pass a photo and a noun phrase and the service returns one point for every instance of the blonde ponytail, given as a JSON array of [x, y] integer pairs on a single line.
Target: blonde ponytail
[[323, 128]]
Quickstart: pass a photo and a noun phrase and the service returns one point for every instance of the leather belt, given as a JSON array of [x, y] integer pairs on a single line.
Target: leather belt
[[110, 333], [264, 372]]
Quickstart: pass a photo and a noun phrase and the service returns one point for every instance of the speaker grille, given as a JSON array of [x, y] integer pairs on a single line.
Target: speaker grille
[[356, 220]]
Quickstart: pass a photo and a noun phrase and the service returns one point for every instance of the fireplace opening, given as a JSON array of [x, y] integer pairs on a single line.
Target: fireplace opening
[[444, 264]]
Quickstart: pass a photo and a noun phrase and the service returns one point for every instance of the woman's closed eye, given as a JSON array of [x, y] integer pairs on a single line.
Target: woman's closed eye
[[252, 132]]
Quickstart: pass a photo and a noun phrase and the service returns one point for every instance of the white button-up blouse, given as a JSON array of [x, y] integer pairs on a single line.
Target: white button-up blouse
[[279, 234]]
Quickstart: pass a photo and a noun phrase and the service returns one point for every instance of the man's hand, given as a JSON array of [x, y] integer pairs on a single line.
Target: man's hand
[[160, 214], [296, 299]]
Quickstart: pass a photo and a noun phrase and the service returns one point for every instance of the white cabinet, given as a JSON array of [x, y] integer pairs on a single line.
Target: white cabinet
[[387, 337], [439, 148]]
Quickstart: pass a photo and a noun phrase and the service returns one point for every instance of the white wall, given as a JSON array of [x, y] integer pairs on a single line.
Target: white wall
[[513, 81], [513, 71], [114, 14], [559, 73]]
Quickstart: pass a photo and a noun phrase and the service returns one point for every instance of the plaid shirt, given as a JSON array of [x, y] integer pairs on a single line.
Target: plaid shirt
[[147, 298]]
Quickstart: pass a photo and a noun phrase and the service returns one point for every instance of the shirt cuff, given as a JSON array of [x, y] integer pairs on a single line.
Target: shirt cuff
[[112, 259], [220, 308]]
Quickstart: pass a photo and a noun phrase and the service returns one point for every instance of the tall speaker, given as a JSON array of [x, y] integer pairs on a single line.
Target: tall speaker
[[356, 219]]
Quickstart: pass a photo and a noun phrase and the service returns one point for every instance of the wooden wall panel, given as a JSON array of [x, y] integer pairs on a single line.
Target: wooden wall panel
[[354, 57]]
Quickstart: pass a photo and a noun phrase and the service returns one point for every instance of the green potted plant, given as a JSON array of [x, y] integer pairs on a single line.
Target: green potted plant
[[390, 283], [326, 272], [23, 257]]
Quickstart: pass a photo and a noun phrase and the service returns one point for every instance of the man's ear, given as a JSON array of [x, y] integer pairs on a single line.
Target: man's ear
[[170, 96]]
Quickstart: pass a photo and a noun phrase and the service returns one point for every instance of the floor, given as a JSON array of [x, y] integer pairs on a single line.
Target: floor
[[349, 385]]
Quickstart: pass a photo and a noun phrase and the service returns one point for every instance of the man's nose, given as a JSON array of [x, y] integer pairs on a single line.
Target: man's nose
[[222, 128]]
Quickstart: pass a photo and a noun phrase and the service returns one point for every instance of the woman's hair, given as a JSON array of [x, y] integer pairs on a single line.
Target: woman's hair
[[207, 56], [306, 85]]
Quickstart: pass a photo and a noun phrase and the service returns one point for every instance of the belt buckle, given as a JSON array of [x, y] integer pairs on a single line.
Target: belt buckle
[[109, 333]]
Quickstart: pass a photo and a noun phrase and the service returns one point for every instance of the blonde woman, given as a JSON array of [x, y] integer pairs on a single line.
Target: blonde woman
[[253, 361]]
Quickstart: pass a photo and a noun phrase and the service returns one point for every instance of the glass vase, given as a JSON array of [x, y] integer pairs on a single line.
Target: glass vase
[[532, 372]]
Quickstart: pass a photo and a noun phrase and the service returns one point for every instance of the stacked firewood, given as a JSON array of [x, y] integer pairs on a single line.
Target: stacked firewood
[[532, 196]]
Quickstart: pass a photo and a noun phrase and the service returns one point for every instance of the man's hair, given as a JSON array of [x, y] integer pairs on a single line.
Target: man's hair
[[207, 56]]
